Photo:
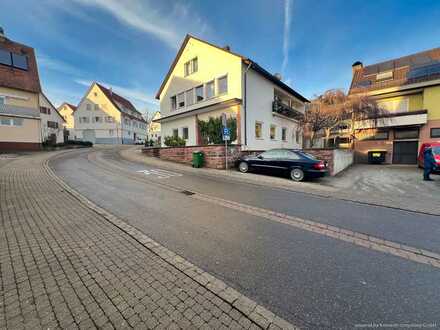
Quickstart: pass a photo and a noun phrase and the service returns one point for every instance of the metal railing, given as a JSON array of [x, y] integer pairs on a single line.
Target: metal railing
[[285, 110]]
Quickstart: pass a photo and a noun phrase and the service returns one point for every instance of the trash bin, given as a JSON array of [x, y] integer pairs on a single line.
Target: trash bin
[[376, 156], [197, 160]]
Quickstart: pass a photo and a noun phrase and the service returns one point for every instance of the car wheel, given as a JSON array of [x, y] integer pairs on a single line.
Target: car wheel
[[243, 167], [297, 174]]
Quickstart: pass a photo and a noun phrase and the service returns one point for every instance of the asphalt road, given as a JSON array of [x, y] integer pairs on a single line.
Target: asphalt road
[[309, 279]]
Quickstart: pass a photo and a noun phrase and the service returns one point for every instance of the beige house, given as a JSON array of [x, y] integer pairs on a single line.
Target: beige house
[[66, 110], [153, 129], [205, 81], [20, 125], [105, 117], [52, 123]]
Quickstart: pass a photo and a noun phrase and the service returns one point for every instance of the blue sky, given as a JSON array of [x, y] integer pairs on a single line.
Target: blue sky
[[130, 44]]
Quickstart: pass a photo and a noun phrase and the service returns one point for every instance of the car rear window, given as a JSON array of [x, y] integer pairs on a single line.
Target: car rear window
[[309, 156], [436, 150]]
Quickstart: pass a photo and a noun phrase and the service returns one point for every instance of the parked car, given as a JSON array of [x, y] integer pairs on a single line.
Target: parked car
[[435, 150], [296, 163]]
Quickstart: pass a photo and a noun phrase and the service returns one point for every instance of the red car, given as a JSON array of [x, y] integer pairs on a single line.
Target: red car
[[435, 150]]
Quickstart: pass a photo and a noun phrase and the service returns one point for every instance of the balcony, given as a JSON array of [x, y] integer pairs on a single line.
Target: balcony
[[278, 107]]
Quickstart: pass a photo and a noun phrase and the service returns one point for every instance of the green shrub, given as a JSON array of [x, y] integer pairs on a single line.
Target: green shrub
[[211, 131], [174, 141]]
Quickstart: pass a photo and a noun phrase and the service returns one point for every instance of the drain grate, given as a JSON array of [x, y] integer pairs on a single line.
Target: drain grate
[[187, 192]]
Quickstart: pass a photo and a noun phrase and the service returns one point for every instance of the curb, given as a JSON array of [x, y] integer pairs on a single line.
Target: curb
[[249, 308]]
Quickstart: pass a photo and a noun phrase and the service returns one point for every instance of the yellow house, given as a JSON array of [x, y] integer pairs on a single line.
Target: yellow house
[[104, 117], [409, 89], [153, 130], [20, 127], [205, 81], [66, 110]]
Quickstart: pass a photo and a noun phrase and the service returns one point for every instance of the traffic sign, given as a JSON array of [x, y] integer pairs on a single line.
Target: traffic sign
[[226, 131]]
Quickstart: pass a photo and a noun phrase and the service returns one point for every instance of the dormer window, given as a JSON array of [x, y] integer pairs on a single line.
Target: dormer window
[[181, 100], [384, 76], [191, 66]]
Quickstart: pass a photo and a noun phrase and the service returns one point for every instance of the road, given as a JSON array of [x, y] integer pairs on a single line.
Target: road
[[310, 279]]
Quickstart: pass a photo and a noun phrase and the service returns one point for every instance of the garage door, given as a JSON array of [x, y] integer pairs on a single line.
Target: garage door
[[405, 152], [89, 135]]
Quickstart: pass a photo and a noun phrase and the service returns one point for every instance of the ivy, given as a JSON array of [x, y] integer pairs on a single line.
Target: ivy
[[211, 131], [174, 141]]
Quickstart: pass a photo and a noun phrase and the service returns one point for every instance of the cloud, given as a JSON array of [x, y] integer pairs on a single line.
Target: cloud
[[286, 33], [168, 26], [139, 97], [49, 63]]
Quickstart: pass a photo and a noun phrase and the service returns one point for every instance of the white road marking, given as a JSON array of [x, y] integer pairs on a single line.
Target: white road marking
[[161, 174]]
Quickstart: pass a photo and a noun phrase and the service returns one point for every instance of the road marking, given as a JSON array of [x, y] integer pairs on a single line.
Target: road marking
[[360, 239], [161, 174]]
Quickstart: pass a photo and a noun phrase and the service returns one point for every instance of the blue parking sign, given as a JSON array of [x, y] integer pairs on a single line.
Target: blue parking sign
[[226, 131]]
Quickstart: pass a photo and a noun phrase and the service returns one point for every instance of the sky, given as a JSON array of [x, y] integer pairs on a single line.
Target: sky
[[129, 45]]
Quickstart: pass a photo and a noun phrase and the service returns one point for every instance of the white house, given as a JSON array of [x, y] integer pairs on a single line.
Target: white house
[[105, 117], [52, 123], [206, 80], [66, 110], [153, 130]]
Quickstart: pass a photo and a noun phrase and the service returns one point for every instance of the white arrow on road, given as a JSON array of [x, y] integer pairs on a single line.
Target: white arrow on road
[[161, 174]]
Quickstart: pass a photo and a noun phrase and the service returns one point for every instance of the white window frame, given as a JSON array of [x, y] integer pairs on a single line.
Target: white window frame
[[218, 85], [261, 130], [203, 93], [183, 132], [96, 107], [88, 107], [173, 107], [270, 132], [190, 67], [206, 89], [283, 134], [188, 98], [183, 98]]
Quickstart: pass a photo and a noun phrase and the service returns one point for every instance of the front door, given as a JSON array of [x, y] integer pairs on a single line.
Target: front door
[[405, 152]]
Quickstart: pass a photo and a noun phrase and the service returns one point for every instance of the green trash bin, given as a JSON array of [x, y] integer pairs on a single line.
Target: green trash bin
[[197, 160]]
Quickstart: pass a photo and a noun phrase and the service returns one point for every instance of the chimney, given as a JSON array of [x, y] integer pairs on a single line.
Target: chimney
[[357, 66], [278, 76], [227, 48]]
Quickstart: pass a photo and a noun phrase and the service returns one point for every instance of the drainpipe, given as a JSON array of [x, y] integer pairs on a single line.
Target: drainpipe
[[245, 102]]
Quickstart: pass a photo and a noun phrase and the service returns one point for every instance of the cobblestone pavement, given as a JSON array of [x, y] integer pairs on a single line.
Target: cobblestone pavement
[[64, 264]]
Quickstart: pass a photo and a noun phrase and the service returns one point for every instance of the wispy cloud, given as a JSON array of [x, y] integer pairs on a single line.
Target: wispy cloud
[[141, 98], [168, 26], [52, 64], [286, 33]]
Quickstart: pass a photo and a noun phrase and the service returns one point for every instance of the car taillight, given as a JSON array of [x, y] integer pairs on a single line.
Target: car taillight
[[319, 166]]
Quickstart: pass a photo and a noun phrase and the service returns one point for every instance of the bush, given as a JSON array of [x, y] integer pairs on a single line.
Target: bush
[[211, 131], [174, 141]]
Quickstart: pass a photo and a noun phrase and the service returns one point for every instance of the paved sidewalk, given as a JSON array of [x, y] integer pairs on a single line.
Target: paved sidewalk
[[389, 186], [65, 263]]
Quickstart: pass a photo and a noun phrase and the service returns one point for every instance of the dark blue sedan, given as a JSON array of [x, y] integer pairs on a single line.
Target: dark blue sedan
[[296, 163]]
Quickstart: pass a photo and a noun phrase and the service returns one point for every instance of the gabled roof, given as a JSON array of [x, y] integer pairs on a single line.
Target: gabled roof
[[419, 67], [53, 107], [71, 106], [254, 65], [11, 77]]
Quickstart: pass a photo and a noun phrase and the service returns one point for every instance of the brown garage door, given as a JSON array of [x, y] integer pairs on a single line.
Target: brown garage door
[[405, 152]]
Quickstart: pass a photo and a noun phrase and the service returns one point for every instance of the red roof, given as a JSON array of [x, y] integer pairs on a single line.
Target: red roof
[[403, 71], [118, 100], [11, 77]]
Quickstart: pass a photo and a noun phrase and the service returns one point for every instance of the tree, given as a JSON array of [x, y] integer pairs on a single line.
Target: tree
[[334, 109]]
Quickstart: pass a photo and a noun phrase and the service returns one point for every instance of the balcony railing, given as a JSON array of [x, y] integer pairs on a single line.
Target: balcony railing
[[285, 110]]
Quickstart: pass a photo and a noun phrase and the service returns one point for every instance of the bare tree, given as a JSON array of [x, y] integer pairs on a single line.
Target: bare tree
[[335, 108]]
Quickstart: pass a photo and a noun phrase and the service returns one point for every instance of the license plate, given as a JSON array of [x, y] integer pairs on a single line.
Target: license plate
[[376, 154]]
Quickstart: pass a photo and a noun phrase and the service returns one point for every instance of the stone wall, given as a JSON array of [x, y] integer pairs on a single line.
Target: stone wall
[[214, 155], [325, 155]]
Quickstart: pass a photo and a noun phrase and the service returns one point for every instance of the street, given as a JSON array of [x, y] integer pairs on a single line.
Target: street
[[235, 231]]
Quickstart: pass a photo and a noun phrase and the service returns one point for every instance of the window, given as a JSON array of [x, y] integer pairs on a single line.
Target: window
[[173, 102], [2, 103], [258, 130], [17, 121], [191, 67], [88, 107], [190, 97], [45, 110], [5, 57], [435, 132], [19, 61], [222, 84], [271, 154], [109, 119], [185, 133], [97, 119], [199, 94], [96, 107], [84, 120], [397, 105], [370, 135], [52, 124], [210, 89], [412, 133], [384, 76], [175, 132], [111, 132], [297, 136], [273, 132], [11, 121], [284, 134], [181, 100]]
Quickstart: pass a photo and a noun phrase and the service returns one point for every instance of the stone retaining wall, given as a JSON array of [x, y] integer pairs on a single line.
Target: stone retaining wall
[[214, 155], [337, 159]]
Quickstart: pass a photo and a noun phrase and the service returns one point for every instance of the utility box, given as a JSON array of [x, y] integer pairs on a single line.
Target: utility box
[[197, 160], [376, 156]]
